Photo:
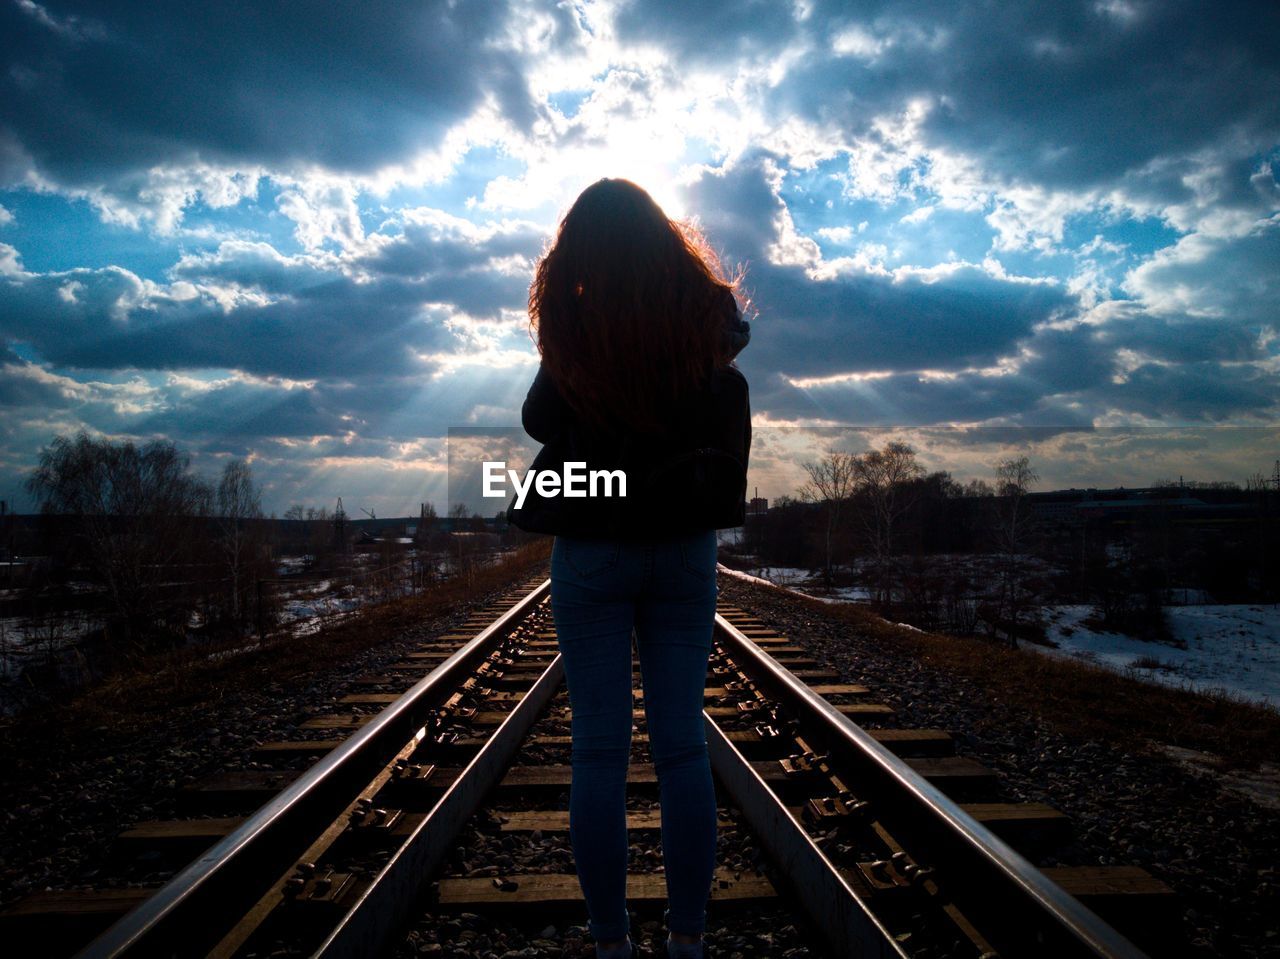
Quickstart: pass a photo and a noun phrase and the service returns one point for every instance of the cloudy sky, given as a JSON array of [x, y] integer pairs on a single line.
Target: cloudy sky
[[303, 233]]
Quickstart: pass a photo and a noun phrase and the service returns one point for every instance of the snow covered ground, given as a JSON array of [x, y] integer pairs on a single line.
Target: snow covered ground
[[1233, 647], [802, 581], [781, 576]]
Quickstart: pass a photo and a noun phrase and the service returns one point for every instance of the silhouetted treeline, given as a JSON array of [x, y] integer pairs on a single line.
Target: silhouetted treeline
[[985, 557], [158, 554]]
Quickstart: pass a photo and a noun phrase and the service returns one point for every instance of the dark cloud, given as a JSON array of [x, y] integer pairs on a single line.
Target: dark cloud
[[1065, 361], [1060, 372], [1074, 94], [859, 321], [23, 386], [904, 399], [258, 266], [302, 317], [1069, 94], [854, 323], [1235, 280], [246, 411], [326, 329], [1176, 106], [440, 246], [1196, 392], [1183, 340], [1068, 376], [348, 86]]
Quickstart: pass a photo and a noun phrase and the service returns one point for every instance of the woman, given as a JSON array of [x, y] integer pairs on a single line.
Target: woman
[[637, 330]]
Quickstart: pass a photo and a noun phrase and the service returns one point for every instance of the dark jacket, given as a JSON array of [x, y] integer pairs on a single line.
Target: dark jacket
[[688, 477]]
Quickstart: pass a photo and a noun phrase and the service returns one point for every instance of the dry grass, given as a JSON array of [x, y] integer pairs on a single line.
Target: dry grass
[[165, 687], [1082, 699]]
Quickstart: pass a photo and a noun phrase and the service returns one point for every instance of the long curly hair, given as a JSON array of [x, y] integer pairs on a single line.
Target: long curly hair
[[629, 308]]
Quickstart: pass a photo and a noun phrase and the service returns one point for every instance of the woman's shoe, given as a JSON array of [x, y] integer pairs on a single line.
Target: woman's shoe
[[621, 950], [683, 950]]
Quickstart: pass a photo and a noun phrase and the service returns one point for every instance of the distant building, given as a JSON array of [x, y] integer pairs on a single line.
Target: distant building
[[1123, 505], [757, 505]]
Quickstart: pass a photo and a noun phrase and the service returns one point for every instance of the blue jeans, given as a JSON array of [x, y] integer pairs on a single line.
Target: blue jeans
[[666, 591]]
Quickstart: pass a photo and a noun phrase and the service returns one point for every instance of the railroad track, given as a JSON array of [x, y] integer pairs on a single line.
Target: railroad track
[[880, 839]]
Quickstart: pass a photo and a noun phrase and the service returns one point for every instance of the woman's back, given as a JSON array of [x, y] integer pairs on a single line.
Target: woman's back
[[637, 332], [689, 474]]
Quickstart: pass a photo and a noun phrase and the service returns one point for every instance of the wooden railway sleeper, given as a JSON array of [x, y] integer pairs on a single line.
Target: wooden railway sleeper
[[896, 874]]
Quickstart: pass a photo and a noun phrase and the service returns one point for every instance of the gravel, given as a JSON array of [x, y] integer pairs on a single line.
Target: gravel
[[60, 822], [1216, 849]]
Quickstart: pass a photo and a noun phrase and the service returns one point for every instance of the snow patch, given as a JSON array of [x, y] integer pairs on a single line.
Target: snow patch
[[1233, 648], [1262, 785]]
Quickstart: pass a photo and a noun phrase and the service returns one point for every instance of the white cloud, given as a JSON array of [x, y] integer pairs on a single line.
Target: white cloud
[[10, 261], [836, 234], [918, 215], [323, 209], [857, 41]]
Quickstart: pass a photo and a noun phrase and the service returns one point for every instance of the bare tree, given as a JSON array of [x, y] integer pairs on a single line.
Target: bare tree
[[427, 521], [884, 477], [1014, 523], [1014, 478], [831, 483], [133, 515], [978, 487], [239, 509]]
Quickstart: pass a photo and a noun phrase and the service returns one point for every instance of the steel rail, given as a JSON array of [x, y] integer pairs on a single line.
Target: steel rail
[[192, 910], [839, 913], [1024, 907], [388, 904]]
